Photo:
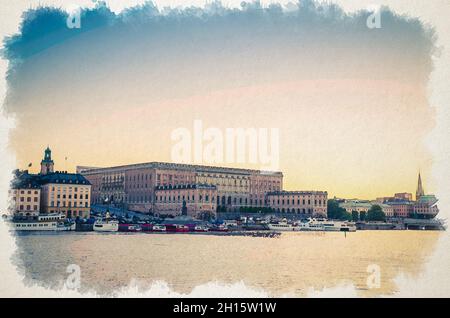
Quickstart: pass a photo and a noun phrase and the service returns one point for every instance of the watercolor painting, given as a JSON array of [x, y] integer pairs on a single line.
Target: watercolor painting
[[225, 149]]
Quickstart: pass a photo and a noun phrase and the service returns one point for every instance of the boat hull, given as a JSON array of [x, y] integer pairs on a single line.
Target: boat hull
[[106, 227], [38, 226]]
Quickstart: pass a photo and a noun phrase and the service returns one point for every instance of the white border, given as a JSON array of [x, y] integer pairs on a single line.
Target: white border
[[434, 281]]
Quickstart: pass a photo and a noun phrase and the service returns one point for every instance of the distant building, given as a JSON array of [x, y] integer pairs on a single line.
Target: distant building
[[365, 206], [50, 192], [24, 195], [195, 200], [403, 196], [65, 193], [384, 199], [357, 206], [402, 206], [305, 203], [426, 207], [387, 209], [401, 209]]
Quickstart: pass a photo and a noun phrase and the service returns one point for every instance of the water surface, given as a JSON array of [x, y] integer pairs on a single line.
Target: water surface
[[288, 265]]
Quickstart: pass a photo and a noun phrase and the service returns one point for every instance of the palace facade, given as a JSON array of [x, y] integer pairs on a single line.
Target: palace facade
[[134, 186], [195, 200], [307, 203]]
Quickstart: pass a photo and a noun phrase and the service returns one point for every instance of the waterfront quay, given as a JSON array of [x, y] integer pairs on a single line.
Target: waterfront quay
[[182, 198]]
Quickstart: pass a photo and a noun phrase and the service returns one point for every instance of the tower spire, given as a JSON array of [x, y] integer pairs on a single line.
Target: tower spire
[[419, 191], [47, 162]]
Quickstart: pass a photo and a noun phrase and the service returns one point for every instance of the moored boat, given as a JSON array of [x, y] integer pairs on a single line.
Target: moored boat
[[283, 226], [339, 226], [201, 228], [180, 228], [158, 228], [130, 228], [106, 225], [66, 226], [219, 228], [43, 222]]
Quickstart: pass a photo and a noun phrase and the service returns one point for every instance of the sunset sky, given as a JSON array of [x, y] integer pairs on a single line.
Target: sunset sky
[[350, 102]]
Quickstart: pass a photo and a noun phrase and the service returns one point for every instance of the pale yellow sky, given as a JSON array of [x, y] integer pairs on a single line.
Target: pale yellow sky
[[352, 110]]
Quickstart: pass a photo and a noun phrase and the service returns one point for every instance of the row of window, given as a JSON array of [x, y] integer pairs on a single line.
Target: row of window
[[316, 202], [75, 196], [58, 204], [189, 198], [64, 189], [29, 207], [22, 199], [27, 191], [34, 225]]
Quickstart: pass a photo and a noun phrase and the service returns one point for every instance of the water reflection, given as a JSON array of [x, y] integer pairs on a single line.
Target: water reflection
[[291, 264]]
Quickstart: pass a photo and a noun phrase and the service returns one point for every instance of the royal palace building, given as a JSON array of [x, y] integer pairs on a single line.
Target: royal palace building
[[134, 186]]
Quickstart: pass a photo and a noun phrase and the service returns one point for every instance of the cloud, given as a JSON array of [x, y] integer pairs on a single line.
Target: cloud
[[45, 27]]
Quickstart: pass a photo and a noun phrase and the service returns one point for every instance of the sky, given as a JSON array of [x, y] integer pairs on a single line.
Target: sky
[[350, 102]]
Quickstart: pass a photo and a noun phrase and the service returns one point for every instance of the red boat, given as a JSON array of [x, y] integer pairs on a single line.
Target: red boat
[[177, 228], [182, 228], [147, 227]]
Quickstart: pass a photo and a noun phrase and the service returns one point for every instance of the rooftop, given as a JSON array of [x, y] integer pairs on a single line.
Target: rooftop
[[25, 180], [176, 166]]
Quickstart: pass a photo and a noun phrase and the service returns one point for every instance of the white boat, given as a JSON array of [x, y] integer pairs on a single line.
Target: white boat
[[201, 228], [106, 225], [64, 226], [339, 226], [310, 225], [281, 226], [44, 222], [327, 225], [314, 225], [159, 228]]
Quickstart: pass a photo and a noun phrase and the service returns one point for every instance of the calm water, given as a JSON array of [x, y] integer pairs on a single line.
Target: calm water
[[290, 264]]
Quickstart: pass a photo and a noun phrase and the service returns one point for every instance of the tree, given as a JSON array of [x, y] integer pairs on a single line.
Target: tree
[[362, 215], [376, 213], [335, 212], [355, 216]]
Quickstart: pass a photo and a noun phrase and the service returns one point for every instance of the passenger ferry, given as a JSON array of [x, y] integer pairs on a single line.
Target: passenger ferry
[[339, 226], [314, 225], [327, 225], [310, 225], [44, 222], [282, 226]]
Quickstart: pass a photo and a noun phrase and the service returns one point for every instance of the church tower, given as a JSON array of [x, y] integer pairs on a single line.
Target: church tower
[[47, 162], [419, 191]]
